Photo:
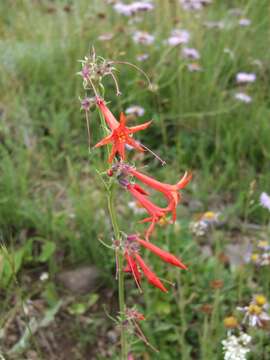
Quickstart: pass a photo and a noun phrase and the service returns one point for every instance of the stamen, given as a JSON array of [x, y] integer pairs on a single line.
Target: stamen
[[141, 335], [118, 92], [154, 154], [137, 68], [93, 86]]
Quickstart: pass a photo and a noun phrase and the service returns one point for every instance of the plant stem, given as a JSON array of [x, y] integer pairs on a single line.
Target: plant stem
[[120, 274], [119, 257]]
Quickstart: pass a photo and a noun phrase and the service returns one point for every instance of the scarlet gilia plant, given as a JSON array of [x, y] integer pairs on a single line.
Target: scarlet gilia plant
[[128, 248]]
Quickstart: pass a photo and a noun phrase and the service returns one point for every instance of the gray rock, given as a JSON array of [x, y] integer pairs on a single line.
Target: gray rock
[[80, 281], [238, 254]]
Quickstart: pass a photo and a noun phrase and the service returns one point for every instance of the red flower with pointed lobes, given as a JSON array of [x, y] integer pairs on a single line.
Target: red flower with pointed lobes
[[134, 260], [171, 192], [164, 255], [157, 214], [121, 135], [150, 275]]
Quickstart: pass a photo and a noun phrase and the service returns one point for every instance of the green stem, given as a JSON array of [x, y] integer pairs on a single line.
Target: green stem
[[118, 254], [120, 272]]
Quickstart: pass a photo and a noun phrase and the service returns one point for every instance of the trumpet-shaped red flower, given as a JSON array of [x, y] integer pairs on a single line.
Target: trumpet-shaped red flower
[[164, 255], [171, 192], [134, 261], [149, 274], [108, 116], [121, 135], [157, 214]]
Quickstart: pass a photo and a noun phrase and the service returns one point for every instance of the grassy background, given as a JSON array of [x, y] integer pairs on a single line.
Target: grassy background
[[50, 193]]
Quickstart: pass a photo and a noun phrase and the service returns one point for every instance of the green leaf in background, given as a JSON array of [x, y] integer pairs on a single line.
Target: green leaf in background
[[163, 308], [50, 294], [81, 307], [12, 261], [92, 299], [48, 249], [77, 308]]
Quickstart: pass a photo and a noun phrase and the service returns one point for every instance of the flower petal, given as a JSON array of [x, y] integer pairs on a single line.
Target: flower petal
[[164, 255], [151, 277], [134, 129], [104, 141], [108, 116]]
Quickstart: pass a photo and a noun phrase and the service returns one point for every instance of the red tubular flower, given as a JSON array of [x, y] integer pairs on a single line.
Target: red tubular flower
[[121, 135], [134, 260], [164, 255], [140, 189], [156, 213], [171, 192], [108, 116], [151, 277]]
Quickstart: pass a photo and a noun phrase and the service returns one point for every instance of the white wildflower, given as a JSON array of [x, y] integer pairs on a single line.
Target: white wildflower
[[262, 256], [264, 259], [244, 78], [243, 97], [135, 110], [207, 220], [123, 9], [142, 57], [190, 53], [44, 276], [178, 36], [133, 205], [143, 37], [236, 347], [244, 22], [256, 313], [133, 8], [194, 67], [265, 200], [193, 4], [198, 228], [105, 37], [142, 6]]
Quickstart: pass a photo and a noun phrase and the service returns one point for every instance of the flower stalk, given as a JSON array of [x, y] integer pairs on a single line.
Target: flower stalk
[[119, 272]]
